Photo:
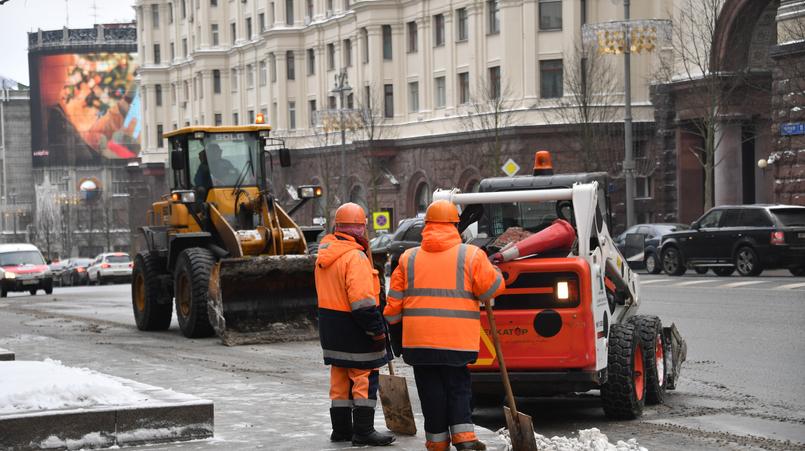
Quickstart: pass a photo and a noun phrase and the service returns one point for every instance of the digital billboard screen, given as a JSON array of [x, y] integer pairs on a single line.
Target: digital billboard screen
[[85, 108]]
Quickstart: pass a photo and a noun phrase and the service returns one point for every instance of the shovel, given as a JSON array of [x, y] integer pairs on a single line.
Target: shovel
[[521, 429], [396, 403]]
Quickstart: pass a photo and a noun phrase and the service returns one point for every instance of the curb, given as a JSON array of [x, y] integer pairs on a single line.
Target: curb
[[6, 355]]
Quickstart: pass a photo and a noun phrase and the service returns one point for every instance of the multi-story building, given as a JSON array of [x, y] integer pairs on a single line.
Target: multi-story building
[[16, 196]]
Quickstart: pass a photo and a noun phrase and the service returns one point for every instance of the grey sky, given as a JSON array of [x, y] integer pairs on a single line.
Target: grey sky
[[17, 17]]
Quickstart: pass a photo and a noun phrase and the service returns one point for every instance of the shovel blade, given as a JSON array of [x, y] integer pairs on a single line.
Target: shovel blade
[[521, 431], [397, 405]]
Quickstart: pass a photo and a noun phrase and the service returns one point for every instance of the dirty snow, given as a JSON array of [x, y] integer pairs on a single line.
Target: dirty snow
[[92, 440], [588, 440], [29, 386]]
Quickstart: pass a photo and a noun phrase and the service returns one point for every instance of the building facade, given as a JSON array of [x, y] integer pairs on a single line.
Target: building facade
[[16, 194]]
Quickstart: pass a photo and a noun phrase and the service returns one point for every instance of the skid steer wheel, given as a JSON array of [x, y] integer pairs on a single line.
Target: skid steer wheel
[[191, 288], [623, 395], [150, 301], [649, 330], [672, 262]]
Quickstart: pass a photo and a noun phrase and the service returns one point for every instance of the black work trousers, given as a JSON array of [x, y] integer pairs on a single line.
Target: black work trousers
[[445, 393]]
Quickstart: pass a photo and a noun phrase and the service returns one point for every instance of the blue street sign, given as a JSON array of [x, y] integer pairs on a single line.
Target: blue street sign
[[792, 128]]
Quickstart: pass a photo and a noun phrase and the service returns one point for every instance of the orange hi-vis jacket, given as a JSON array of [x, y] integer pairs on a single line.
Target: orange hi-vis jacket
[[349, 315], [435, 292]]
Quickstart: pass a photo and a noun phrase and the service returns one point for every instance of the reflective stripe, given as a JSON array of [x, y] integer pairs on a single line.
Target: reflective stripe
[[353, 356], [410, 268], [464, 427], [362, 303], [394, 319], [491, 291], [462, 255], [441, 349], [324, 246], [341, 403], [440, 292], [395, 294], [362, 402], [440, 437], [446, 313]]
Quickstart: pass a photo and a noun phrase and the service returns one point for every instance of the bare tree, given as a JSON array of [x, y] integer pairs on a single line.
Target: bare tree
[[48, 217], [370, 128]]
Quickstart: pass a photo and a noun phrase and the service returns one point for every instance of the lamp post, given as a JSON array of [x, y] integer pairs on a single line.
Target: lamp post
[[628, 36], [342, 88]]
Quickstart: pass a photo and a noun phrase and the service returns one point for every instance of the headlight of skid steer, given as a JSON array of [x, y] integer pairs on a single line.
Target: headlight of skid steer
[[309, 191], [185, 197]]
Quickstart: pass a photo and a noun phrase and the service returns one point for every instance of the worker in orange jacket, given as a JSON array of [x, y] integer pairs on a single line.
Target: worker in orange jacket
[[436, 292], [351, 328]]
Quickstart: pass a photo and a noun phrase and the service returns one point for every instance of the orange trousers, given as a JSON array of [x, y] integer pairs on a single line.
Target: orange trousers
[[353, 387]]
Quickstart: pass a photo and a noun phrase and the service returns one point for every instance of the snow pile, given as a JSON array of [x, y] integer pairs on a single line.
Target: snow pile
[[27, 386], [93, 440], [588, 440]]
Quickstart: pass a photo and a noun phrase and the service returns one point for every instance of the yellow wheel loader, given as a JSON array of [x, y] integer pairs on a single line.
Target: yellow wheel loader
[[219, 246]]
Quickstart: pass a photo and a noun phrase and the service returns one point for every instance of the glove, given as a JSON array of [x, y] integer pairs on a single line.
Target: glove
[[379, 342]]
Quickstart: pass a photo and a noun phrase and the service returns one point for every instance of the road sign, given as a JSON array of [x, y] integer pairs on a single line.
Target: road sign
[[792, 128], [510, 167], [381, 220]]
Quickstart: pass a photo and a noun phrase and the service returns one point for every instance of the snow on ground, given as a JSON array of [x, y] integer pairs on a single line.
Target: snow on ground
[[27, 386], [588, 440]]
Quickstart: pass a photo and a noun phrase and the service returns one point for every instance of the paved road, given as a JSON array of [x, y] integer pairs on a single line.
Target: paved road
[[740, 389]]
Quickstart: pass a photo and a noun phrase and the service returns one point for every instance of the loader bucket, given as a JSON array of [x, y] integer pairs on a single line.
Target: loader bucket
[[263, 299]]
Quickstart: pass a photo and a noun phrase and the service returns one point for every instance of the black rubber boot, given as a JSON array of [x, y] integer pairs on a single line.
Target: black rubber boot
[[341, 418], [363, 430], [473, 445]]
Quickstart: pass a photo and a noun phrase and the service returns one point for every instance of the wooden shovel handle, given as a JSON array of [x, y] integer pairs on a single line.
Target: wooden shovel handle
[[501, 362]]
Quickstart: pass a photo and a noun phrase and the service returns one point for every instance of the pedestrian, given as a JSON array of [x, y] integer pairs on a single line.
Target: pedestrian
[[351, 328], [435, 293]]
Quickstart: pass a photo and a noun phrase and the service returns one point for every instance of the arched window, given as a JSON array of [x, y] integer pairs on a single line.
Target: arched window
[[422, 197], [472, 186]]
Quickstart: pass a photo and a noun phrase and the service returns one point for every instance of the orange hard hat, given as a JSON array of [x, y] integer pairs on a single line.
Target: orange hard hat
[[350, 213], [441, 211]]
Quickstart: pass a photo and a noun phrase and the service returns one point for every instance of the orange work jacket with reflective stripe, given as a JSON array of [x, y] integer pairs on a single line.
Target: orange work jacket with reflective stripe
[[349, 314], [435, 292]]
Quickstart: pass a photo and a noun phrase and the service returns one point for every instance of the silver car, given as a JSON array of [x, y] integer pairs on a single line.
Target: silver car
[[110, 267]]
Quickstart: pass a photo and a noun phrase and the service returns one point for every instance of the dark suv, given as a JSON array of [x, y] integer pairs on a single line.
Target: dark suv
[[408, 235], [749, 238]]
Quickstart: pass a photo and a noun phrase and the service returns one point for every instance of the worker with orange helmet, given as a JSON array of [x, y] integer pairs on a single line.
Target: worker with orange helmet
[[351, 328], [435, 293]]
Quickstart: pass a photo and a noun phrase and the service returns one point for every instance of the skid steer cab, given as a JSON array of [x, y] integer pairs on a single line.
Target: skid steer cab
[[568, 318], [220, 248]]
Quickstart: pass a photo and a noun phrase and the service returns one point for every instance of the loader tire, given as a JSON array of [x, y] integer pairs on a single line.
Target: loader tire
[[624, 392], [191, 287], [655, 362], [151, 303]]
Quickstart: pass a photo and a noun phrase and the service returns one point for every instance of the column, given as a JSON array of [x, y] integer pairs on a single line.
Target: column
[[727, 173]]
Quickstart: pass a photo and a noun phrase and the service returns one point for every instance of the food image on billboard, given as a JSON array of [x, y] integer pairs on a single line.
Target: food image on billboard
[[88, 109]]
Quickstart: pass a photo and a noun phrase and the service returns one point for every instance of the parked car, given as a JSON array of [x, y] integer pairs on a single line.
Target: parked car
[[649, 258], [76, 272], [23, 269], [749, 238], [56, 269], [379, 246], [408, 235], [115, 266]]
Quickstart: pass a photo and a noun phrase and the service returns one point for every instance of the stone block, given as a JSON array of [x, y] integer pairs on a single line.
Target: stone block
[[40, 429], [6, 355]]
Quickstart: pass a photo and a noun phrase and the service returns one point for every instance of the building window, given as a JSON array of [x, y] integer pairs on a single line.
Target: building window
[[386, 42], [273, 110], [160, 139], [643, 188], [272, 17], [311, 62], [438, 30], [173, 93], [440, 92], [289, 12], [413, 97], [233, 32], [184, 9], [155, 15], [234, 79], [184, 47], [195, 88], [158, 94], [214, 32], [330, 56], [219, 119], [367, 96], [170, 12], [216, 81], [464, 87], [550, 79], [290, 63], [248, 28], [346, 5], [461, 18], [250, 76], [250, 114], [550, 14], [331, 103], [494, 82], [173, 51], [261, 21], [157, 56], [292, 115], [235, 119], [365, 45], [422, 197], [311, 104], [388, 100], [213, 3], [272, 62], [412, 37], [263, 73], [347, 52], [329, 8], [308, 10], [493, 13], [350, 101]]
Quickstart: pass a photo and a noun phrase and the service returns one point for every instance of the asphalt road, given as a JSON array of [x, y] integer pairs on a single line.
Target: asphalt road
[[740, 388]]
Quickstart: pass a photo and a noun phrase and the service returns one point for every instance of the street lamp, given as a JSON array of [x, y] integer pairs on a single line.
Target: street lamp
[[342, 88], [627, 36]]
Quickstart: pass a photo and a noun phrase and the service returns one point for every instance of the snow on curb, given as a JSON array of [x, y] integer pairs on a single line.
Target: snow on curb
[[136, 437], [588, 440]]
